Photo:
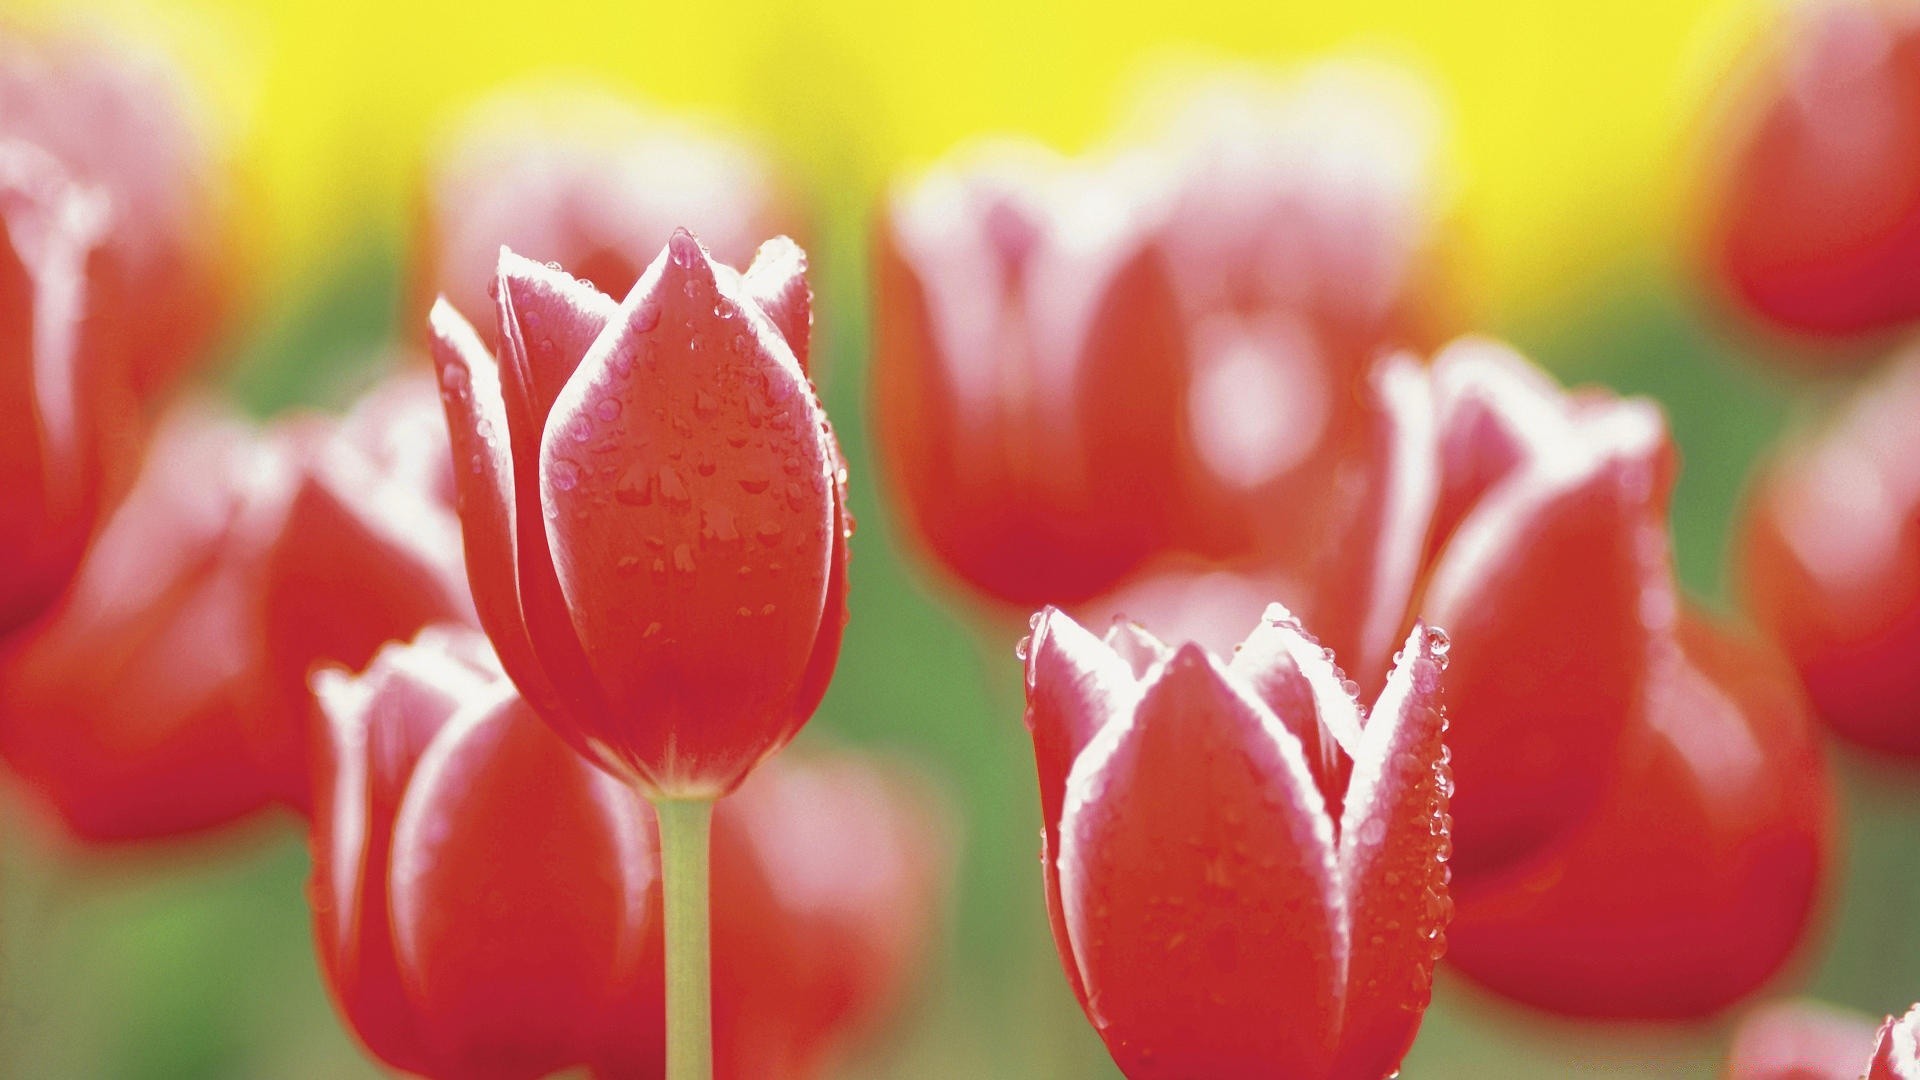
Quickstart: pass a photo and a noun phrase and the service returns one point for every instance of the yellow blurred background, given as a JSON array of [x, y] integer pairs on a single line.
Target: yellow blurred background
[[1565, 121]]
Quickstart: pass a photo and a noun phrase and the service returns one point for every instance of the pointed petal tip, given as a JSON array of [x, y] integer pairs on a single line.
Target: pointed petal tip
[[1133, 643]]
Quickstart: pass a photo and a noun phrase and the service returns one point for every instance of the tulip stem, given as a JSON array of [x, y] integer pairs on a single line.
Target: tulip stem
[[686, 826]]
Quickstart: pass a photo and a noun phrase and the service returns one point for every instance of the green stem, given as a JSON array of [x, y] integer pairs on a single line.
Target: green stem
[[685, 828]]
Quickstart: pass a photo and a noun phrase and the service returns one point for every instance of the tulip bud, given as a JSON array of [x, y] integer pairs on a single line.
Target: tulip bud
[[1311, 881], [652, 505]]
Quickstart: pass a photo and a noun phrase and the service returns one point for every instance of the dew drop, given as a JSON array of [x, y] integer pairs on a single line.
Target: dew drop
[[683, 558], [565, 475], [607, 409], [1023, 648], [646, 318]]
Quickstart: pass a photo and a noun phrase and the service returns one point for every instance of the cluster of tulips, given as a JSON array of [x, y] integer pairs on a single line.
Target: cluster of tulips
[[1388, 660]]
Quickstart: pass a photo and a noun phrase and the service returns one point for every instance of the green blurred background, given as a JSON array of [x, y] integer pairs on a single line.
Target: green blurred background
[[194, 960]]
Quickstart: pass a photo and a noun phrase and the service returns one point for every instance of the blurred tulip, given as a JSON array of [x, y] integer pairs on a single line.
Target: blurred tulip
[[1302, 225], [124, 122], [1696, 879], [653, 510], [1800, 1040], [1308, 884], [1814, 222], [168, 691], [487, 903], [1523, 519], [585, 180], [1831, 561], [1030, 364], [59, 399]]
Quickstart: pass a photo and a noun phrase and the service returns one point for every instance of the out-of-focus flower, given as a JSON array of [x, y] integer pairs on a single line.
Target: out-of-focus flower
[[1696, 878], [1814, 214], [585, 180], [486, 902], [167, 691], [1522, 518], [123, 121], [1030, 368], [1831, 561], [1084, 366], [59, 398], [653, 509], [1302, 222], [1800, 1040], [1308, 884]]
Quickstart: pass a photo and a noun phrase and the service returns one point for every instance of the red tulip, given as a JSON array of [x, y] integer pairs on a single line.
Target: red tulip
[[652, 506], [1831, 561], [59, 400], [168, 691], [123, 121], [1029, 371], [589, 182], [1302, 228], [1695, 880], [1799, 1040], [133, 710], [1814, 222], [486, 902], [1308, 885], [1525, 520]]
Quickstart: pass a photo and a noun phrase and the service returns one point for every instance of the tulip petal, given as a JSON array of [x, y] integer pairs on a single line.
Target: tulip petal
[[1549, 588], [483, 476], [548, 321], [1298, 680], [691, 486], [1135, 646], [515, 923], [1075, 686], [1896, 1051], [777, 281], [1395, 839], [1207, 930]]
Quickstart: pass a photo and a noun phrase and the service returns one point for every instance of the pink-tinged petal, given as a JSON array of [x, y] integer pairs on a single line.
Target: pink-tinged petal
[[1896, 1051], [548, 321], [1722, 806], [1550, 588], [1395, 840], [1299, 681], [1076, 685], [1496, 411], [777, 281], [1364, 582], [376, 725], [1138, 648], [692, 493], [483, 476], [1799, 1040], [517, 924], [1207, 930]]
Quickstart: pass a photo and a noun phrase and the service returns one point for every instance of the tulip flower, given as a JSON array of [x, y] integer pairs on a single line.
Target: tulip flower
[[124, 122], [56, 386], [1029, 369], [1831, 561], [1800, 1040], [487, 903], [1814, 213], [1302, 224], [585, 180], [1246, 870], [656, 534], [1522, 518], [1697, 877], [166, 693]]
